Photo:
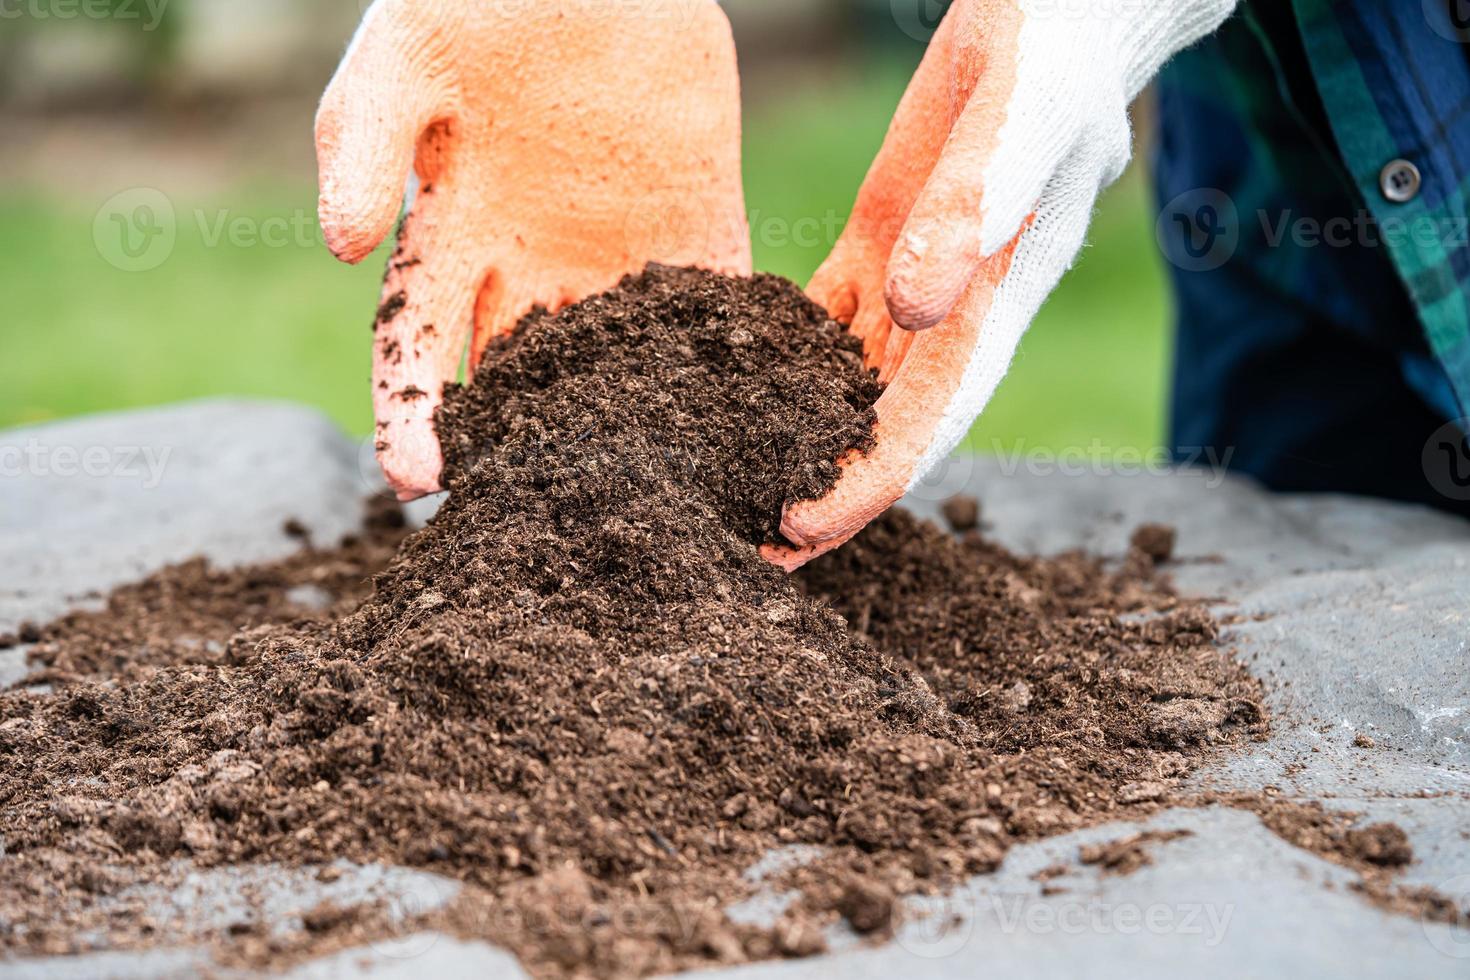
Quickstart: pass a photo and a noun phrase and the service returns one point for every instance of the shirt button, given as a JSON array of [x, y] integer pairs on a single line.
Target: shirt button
[[1401, 181]]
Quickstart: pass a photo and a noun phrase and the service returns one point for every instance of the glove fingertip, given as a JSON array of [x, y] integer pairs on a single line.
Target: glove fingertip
[[931, 266], [914, 313], [347, 240], [787, 559]]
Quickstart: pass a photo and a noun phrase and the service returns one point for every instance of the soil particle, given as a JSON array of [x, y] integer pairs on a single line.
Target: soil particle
[[1381, 844], [580, 691], [328, 916], [868, 907], [1155, 542], [1124, 857], [962, 514], [390, 309]]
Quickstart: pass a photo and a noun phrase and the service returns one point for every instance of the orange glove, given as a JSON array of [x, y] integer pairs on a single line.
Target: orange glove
[[976, 206], [556, 151]]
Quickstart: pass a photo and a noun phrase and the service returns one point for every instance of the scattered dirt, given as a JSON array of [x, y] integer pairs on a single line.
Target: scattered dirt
[[580, 691], [190, 613], [1377, 852], [1124, 857]]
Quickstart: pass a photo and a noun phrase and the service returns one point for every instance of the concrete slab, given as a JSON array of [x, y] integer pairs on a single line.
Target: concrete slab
[[1353, 612]]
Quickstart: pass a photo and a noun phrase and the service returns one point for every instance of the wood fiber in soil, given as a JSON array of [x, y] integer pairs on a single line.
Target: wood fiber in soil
[[580, 691]]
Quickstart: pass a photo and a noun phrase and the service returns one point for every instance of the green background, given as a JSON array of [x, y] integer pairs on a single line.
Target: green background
[[290, 322]]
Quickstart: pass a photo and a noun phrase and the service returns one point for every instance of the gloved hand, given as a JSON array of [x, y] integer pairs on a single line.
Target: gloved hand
[[556, 150], [977, 204]]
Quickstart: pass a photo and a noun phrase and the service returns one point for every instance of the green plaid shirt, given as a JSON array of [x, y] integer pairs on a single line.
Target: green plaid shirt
[[1313, 166], [1393, 77], [1382, 87]]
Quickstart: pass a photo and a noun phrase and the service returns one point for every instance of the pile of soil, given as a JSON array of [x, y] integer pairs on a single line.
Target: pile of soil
[[580, 690]]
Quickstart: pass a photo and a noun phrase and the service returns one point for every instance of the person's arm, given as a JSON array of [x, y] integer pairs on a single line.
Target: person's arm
[[977, 204], [556, 150]]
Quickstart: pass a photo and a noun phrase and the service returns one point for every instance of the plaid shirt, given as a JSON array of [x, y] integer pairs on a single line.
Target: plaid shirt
[[1313, 166]]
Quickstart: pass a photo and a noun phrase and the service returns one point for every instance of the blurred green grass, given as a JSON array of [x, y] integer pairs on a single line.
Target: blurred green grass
[[222, 318]]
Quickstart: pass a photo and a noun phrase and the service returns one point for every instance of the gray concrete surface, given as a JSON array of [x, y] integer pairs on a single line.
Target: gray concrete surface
[[1354, 613]]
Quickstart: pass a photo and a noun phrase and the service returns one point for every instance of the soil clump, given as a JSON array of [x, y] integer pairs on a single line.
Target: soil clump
[[580, 691]]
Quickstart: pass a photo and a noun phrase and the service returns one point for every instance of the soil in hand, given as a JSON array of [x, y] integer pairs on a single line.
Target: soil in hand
[[581, 692]]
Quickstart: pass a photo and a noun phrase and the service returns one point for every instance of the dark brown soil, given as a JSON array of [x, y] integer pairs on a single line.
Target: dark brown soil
[[719, 400], [190, 613], [1155, 541], [581, 692], [962, 513]]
